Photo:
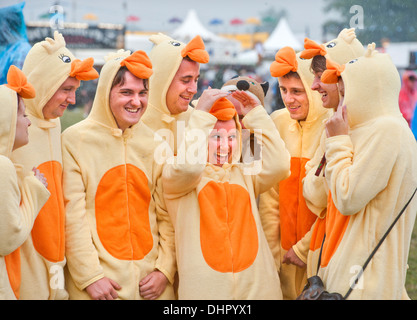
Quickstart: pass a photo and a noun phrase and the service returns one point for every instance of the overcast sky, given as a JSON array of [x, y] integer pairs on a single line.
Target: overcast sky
[[155, 14]]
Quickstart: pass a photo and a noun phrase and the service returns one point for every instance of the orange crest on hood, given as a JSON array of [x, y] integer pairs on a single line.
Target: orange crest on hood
[[17, 81], [312, 49], [139, 64], [333, 72], [223, 109], [285, 61], [195, 49], [83, 70]]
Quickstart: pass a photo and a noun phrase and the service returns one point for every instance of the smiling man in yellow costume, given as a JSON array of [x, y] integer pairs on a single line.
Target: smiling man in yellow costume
[[22, 195], [286, 217], [118, 246], [55, 74], [222, 252], [176, 68], [371, 171], [315, 190]]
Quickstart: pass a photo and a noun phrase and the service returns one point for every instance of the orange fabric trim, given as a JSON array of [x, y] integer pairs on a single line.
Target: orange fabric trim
[[17, 81], [122, 213], [312, 49], [295, 217], [285, 61], [333, 72], [195, 50], [12, 261], [228, 233], [83, 70], [336, 225], [139, 64], [223, 109], [48, 233]]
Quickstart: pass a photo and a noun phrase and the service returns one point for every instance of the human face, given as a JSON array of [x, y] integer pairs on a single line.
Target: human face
[[341, 86], [329, 92], [183, 87], [128, 101], [64, 96], [222, 142], [22, 125], [295, 97]]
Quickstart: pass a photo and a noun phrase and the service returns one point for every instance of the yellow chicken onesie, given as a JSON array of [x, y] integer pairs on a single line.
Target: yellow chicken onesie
[[48, 64], [342, 49], [222, 252], [22, 195], [371, 173], [166, 56], [112, 229], [287, 219]]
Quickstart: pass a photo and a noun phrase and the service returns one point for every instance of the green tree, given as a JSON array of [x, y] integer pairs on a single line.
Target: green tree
[[392, 19]]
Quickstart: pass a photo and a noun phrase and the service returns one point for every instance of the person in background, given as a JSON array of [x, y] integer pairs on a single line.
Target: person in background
[[408, 95], [23, 192], [55, 74]]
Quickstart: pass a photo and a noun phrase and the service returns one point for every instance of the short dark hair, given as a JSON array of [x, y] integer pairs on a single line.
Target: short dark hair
[[292, 74], [318, 64], [119, 78]]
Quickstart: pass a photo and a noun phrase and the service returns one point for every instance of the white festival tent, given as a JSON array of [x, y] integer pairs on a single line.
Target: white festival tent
[[221, 50], [282, 36]]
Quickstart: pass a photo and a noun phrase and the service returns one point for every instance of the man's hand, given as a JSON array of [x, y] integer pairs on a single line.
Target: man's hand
[[39, 175], [152, 286], [338, 123], [291, 258], [248, 101], [103, 289], [208, 98]]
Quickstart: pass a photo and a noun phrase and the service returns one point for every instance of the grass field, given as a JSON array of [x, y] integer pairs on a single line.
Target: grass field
[[411, 281]]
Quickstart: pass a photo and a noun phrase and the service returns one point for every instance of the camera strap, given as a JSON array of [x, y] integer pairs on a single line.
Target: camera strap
[[377, 246]]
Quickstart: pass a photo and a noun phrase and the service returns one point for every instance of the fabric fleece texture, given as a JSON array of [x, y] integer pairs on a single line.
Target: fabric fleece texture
[[286, 217], [22, 196], [112, 228], [47, 66], [166, 59], [222, 251], [372, 173], [344, 48]]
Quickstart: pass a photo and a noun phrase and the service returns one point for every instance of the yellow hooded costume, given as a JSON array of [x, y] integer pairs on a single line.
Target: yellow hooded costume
[[112, 227], [166, 56], [372, 173], [48, 64], [286, 217], [222, 252], [341, 50], [22, 195]]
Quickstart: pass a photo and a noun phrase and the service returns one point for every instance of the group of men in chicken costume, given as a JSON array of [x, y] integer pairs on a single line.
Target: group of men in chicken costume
[[124, 203]]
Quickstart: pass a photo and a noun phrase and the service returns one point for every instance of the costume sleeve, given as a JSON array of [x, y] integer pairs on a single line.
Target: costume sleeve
[[19, 206], [315, 189], [182, 173], [355, 179], [275, 161], [269, 214], [82, 257], [165, 262], [302, 247]]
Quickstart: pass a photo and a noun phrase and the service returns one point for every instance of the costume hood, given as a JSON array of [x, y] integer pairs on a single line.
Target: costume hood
[[372, 85], [166, 56], [341, 50], [137, 63], [287, 60], [47, 65]]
